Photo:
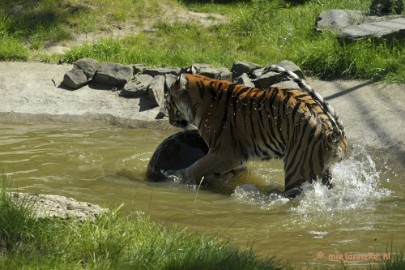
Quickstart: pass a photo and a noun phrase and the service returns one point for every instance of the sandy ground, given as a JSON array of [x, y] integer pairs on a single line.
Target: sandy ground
[[373, 114]]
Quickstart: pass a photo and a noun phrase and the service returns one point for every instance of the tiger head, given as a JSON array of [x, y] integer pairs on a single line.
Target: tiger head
[[178, 104]]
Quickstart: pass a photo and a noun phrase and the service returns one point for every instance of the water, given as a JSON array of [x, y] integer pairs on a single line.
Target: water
[[361, 219]]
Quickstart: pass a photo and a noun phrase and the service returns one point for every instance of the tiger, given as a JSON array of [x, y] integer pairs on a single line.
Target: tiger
[[240, 123]]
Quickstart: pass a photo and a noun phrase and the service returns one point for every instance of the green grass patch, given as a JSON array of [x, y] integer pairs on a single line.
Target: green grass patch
[[111, 242], [260, 31]]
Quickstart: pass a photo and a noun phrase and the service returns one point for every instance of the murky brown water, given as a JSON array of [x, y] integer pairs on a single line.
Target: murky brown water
[[363, 217]]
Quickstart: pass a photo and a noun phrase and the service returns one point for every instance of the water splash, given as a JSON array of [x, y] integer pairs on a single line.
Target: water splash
[[357, 186]]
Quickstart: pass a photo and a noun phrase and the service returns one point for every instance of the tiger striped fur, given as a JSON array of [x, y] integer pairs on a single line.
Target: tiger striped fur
[[239, 123]]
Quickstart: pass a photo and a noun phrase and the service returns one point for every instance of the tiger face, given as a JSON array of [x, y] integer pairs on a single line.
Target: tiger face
[[177, 104]]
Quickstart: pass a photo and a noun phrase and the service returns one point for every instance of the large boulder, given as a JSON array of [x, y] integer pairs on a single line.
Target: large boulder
[[137, 87], [266, 79], [156, 90], [385, 30], [81, 74], [114, 74], [240, 67], [337, 19]]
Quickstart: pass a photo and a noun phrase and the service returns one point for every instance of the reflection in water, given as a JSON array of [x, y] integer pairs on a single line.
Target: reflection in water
[[365, 212]]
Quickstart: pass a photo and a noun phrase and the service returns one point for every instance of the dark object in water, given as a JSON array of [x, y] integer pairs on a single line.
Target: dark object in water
[[176, 152]]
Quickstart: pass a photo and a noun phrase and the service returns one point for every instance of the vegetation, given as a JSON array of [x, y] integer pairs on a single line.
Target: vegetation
[[260, 31], [111, 242]]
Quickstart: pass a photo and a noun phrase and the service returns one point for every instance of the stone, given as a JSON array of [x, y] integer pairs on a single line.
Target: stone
[[156, 90], [88, 65], [137, 87], [225, 74], [265, 80], [337, 19], [177, 152], [386, 30], [268, 79], [114, 74], [161, 71], [240, 67], [210, 72], [386, 7], [74, 79], [216, 73], [170, 79], [244, 80], [138, 68], [82, 73], [291, 66]]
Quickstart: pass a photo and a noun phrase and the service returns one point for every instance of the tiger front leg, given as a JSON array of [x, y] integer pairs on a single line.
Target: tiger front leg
[[211, 164]]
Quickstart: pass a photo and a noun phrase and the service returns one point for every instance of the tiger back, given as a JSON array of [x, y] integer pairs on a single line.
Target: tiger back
[[239, 123]]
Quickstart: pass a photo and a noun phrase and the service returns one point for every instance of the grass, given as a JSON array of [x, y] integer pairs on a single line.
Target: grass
[[260, 31], [111, 242]]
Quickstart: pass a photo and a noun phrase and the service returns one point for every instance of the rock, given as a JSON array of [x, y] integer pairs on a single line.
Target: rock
[[137, 87], [244, 80], [176, 152], [170, 79], [195, 68], [387, 30], [270, 78], [156, 90], [75, 79], [216, 73], [239, 67], [291, 66], [286, 84], [386, 7], [337, 19], [55, 206], [82, 73], [114, 74], [161, 71], [88, 65], [225, 74], [138, 68]]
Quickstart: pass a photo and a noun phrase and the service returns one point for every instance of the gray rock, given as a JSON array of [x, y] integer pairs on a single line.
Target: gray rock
[[210, 72], [114, 74], [75, 79], [225, 74], [88, 65], [244, 80], [291, 66], [156, 90], [287, 84], [387, 30], [82, 73], [216, 73], [386, 7], [170, 79], [138, 68], [195, 68], [239, 67], [270, 78], [161, 71], [137, 87], [337, 19]]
